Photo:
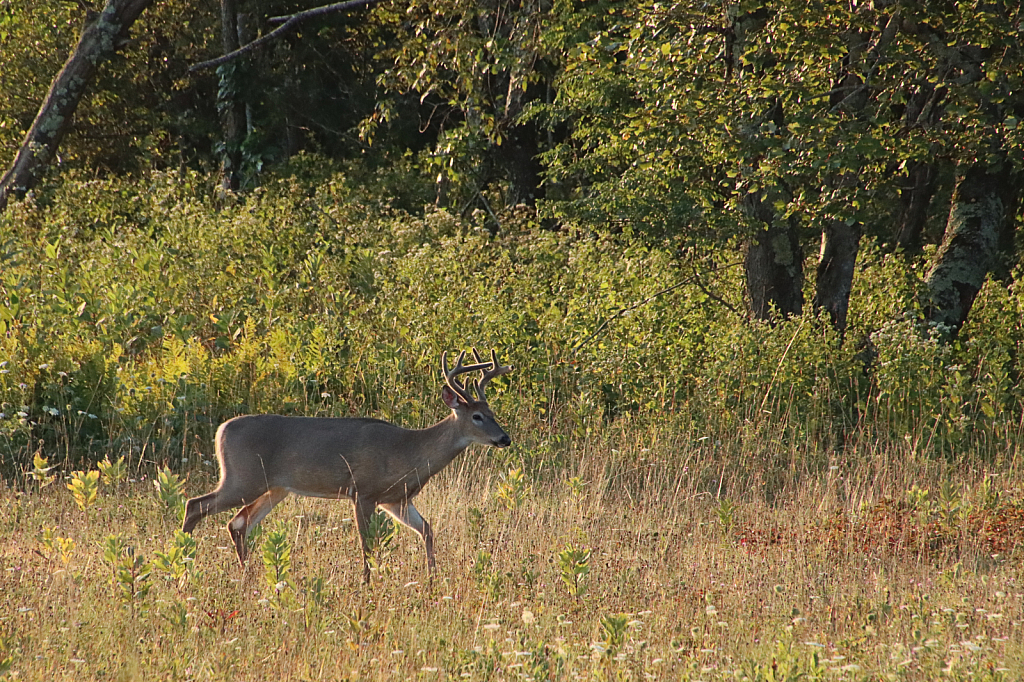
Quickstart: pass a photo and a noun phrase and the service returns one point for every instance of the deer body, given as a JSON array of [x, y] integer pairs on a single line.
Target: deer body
[[374, 463], [332, 458]]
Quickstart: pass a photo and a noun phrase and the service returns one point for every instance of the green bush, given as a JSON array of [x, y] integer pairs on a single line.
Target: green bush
[[137, 315]]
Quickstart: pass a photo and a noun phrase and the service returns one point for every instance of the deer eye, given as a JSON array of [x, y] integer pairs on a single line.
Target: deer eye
[[477, 418]]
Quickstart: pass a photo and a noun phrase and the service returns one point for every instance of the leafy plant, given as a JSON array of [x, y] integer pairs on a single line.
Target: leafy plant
[[113, 472], [988, 494], [84, 487], [575, 485], [950, 504], [574, 567], [178, 560], [379, 536], [476, 520], [176, 614], [51, 546], [40, 472], [919, 499], [130, 572], [277, 560], [614, 629], [726, 512], [487, 579], [170, 490], [314, 597], [513, 489], [527, 575]]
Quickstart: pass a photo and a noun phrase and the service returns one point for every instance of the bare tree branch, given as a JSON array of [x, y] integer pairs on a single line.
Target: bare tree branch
[[290, 22], [627, 309], [622, 311]]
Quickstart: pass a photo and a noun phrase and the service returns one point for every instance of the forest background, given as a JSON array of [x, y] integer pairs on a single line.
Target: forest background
[[760, 255]]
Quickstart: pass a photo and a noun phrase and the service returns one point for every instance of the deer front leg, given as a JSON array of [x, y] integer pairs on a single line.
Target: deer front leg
[[248, 517], [408, 516]]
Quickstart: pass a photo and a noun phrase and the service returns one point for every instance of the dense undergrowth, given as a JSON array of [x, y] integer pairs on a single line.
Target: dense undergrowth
[[139, 314]]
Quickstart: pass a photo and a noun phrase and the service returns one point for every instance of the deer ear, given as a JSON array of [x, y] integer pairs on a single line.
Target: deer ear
[[449, 398]]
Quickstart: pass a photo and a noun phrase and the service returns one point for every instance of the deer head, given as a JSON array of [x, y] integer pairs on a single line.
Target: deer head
[[480, 425]]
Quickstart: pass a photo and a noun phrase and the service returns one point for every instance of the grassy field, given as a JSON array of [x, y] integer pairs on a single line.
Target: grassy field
[[635, 559], [689, 495]]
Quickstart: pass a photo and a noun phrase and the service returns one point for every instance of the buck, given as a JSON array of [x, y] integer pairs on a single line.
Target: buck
[[374, 463]]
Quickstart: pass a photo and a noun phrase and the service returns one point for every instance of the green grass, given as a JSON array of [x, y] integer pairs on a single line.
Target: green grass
[[850, 573]]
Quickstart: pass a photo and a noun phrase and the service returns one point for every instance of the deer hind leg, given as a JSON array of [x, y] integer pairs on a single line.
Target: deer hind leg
[[200, 507], [249, 516], [408, 516]]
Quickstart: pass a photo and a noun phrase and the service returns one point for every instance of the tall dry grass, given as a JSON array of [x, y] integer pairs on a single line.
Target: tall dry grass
[[709, 560]]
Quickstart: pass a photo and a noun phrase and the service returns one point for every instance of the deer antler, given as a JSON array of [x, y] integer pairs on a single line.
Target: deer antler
[[450, 374], [496, 370]]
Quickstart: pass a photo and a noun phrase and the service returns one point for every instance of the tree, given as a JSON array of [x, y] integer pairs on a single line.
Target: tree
[[779, 122], [229, 95], [479, 67], [102, 35], [980, 215], [773, 258], [142, 110]]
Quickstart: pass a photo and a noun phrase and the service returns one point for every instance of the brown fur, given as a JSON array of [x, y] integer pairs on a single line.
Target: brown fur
[[374, 463]]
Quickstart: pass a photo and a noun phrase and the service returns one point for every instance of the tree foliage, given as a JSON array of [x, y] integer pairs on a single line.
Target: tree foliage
[[702, 129], [661, 99]]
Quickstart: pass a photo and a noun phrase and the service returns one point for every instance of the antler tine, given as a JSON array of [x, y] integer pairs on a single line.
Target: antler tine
[[450, 374], [495, 370]]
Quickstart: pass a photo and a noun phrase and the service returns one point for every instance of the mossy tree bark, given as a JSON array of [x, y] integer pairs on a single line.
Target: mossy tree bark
[[104, 32], [840, 241], [773, 262], [970, 247]]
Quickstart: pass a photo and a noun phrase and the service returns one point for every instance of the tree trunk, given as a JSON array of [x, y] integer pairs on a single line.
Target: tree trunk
[[970, 246], [229, 99], [517, 155], [774, 266], [102, 35], [839, 245], [518, 158], [840, 240], [772, 257], [915, 196]]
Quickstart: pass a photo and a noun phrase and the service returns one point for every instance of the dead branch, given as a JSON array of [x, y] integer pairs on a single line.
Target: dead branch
[[290, 22]]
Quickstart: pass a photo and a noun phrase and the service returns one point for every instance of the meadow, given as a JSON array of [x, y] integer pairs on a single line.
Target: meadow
[[623, 567], [689, 495]]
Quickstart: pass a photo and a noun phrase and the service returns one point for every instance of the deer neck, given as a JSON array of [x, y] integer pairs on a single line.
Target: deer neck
[[443, 442]]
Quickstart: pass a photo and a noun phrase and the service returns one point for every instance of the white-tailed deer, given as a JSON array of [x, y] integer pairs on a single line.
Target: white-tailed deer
[[372, 462]]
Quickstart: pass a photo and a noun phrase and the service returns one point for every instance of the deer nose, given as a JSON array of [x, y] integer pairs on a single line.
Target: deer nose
[[503, 442]]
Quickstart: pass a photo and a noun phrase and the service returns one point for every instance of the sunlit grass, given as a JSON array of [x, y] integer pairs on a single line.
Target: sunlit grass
[[847, 573]]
